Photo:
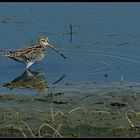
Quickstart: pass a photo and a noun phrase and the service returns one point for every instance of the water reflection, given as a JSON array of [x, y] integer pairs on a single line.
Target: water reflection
[[29, 80], [32, 80]]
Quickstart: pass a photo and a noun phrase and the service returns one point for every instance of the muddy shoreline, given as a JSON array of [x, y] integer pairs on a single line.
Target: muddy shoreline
[[99, 110]]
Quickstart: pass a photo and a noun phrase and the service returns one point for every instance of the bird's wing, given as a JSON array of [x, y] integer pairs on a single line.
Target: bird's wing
[[23, 54]]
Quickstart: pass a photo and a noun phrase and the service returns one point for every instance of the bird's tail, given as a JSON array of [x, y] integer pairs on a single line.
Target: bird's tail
[[3, 53]]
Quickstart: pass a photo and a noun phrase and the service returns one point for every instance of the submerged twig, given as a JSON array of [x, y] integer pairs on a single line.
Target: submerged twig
[[74, 109], [121, 79], [70, 33], [125, 43], [128, 117], [17, 118], [29, 129], [44, 124], [52, 115], [38, 110], [100, 112], [58, 129], [22, 132], [60, 113]]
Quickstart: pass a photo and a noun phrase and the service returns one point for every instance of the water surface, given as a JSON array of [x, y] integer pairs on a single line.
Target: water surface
[[100, 40]]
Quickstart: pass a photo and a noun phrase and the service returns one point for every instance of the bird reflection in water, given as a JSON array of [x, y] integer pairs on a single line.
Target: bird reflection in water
[[30, 80]]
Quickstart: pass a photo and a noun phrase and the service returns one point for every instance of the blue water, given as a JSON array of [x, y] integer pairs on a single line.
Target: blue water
[[104, 45]]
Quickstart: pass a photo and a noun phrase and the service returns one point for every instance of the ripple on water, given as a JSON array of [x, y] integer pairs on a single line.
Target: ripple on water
[[97, 62]]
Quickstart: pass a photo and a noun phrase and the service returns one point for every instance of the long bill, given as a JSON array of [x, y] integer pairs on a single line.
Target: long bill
[[57, 51]]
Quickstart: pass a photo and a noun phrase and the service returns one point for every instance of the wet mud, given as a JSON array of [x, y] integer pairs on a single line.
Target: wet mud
[[108, 111]]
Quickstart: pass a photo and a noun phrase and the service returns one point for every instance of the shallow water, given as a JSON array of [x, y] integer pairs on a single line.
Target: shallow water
[[100, 40]]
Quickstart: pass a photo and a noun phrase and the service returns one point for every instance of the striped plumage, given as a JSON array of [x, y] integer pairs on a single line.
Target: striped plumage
[[33, 54], [28, 56]]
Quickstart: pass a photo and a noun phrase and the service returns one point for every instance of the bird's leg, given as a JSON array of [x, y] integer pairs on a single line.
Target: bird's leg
[[29, 73], [28, 64]]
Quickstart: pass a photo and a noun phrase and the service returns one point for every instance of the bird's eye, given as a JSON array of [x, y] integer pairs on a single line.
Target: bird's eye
[[44, 40]]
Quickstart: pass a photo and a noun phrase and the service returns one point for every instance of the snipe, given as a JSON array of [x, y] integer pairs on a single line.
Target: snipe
[[32, 54]]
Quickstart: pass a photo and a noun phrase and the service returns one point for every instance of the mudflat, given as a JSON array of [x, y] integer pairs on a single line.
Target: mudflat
[[108, 110]]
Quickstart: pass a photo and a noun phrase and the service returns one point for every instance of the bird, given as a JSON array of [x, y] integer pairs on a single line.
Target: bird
[[33, 54]]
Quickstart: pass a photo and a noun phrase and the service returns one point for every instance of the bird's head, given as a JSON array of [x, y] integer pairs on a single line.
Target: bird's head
[[44, 41]]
